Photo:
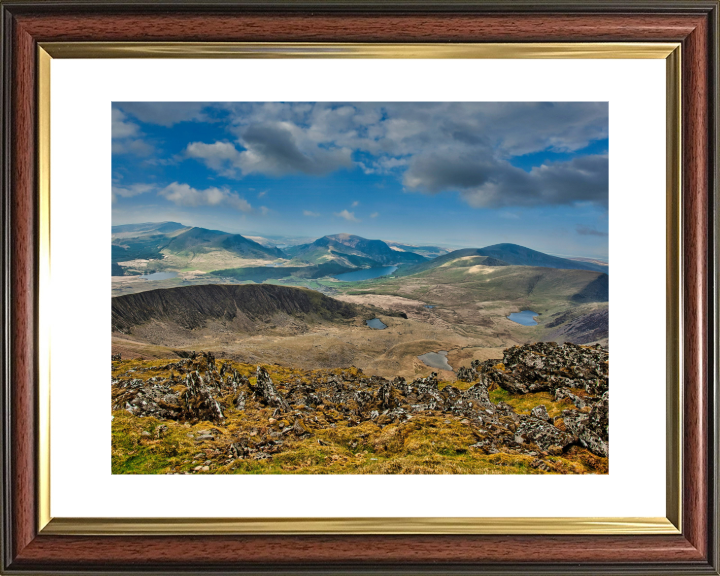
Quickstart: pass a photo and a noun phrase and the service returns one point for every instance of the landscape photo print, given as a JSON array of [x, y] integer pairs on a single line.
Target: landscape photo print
[[360, 288]]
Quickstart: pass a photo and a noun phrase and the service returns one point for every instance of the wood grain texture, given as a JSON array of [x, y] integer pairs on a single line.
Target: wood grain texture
[[396, 551], [22, 288], [358, 28], [696, 188], [649, 554]]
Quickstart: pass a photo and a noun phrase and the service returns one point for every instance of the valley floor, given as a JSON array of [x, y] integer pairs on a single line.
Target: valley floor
[[462, 309], [390, 352]]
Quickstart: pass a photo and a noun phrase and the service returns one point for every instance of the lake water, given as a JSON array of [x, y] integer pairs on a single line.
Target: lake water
[[376, 323], [159, 276], [436, 360], [525, 317], [429, 307], [366, 274]]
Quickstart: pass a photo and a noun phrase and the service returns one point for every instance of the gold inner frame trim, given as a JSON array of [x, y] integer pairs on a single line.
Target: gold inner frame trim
[[534, 525], [43, 171], [673, 311], [289, 526], [610, 50]]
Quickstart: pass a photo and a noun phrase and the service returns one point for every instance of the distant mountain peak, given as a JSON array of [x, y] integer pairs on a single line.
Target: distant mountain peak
[[352, 250], [342, 236], [517, 255], [503, 255]]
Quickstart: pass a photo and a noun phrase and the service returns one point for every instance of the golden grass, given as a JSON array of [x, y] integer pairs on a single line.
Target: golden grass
[[524, 403], [428, 443]]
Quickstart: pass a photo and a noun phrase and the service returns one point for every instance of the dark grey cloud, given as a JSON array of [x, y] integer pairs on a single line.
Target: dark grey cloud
[[431, 146], [402, 128], [487, 183], [450, 170], [164, 113], [276, 149], [587, 231]]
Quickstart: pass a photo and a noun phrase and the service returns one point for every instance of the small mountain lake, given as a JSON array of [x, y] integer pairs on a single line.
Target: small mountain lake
[[376, 323], [436, 360], [365, 274], [159, 276], [429, 307], [525, 317]]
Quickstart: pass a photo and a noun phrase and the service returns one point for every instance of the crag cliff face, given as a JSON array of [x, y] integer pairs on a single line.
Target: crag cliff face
[[191, 307]]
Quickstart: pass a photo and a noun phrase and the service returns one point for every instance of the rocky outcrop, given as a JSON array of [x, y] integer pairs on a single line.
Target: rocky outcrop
[[203, 389], [266, 391], [540, 412], [543, 434], [192, 398], [591, 429], [547, 366]]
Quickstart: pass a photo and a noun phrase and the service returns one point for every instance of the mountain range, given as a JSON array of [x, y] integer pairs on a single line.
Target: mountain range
[[170, 245], [157, 241]]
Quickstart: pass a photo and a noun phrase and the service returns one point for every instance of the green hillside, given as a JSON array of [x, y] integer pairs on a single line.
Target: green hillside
[[491, 281]]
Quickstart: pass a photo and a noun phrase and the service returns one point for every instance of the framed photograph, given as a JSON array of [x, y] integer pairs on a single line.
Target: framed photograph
[[295, 287]]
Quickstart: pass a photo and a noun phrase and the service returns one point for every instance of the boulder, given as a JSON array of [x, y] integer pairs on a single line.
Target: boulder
[[541, 413], [266, 390], [541, 433]]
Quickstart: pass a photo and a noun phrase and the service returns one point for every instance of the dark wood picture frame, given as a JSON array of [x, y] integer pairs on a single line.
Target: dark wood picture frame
[[693, 23]]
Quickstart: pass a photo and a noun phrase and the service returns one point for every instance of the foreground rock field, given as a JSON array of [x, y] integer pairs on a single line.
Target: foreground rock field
[[542, 408]]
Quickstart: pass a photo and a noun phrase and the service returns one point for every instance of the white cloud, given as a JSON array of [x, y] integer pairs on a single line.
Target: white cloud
[[135, 147], [186, 195], [264, 210], [222, 157], [261, 194], [355, 204], [126, 136], [349, 216], [311, 213], [374, 214], [414, 141], [132, 190], [431, 147], [384, 165], [121, 127]]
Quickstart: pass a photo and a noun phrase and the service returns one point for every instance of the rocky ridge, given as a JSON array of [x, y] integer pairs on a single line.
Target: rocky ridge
[[203, 389]]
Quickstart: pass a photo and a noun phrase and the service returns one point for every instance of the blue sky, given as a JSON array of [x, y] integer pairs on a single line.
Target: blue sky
[[452, 174]]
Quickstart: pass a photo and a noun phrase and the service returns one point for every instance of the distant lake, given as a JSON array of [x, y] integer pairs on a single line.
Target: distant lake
[[376, 323], [436, 360], [525, 317], [159, 276], [366, 274], [429, 307]]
